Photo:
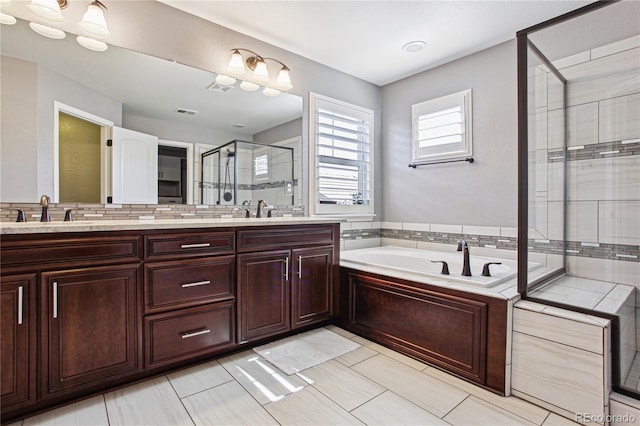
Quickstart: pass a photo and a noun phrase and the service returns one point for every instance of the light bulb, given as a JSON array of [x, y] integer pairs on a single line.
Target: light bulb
[[283, 81], [261, 73], [236, 63], [47, 9], [93, 22]]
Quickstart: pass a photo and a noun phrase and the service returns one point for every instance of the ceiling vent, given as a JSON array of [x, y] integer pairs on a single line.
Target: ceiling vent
[[217, 87], [186, 111]]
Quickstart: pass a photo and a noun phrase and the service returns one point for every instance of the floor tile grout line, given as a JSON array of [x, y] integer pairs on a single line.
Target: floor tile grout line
[[486, 400], [456, 406], [106, 409], [180, 399]]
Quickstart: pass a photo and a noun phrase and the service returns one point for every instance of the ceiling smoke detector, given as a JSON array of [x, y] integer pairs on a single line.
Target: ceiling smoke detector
[[186, 111], [414, 46]]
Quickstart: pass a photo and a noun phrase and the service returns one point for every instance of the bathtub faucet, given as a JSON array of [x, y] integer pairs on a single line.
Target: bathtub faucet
[[464, 248]]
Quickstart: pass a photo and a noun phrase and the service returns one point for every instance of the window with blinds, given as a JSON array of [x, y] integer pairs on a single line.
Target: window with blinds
[[342, 159], [442, 128]]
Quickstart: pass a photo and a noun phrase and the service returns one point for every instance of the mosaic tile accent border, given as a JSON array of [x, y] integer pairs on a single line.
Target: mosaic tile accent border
[[8, 211], [596, 151], [620, 252]]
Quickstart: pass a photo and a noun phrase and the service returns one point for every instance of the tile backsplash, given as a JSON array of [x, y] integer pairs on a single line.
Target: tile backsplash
[[8, 211]]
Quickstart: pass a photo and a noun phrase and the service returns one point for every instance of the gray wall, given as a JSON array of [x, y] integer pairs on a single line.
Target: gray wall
[[483, 193], [280, 133], [19, 105]]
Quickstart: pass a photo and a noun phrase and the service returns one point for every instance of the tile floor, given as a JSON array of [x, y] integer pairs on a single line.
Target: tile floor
[[371, 385]]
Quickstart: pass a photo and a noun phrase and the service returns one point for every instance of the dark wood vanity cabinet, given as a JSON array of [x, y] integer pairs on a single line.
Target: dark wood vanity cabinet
[[18, 346], [83, 312], [280, 290]]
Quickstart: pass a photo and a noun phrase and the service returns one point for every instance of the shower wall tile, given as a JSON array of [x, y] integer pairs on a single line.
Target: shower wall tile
[[619, 222], [619, 118], [538, 128], [616, 47], [555, 129], [604, 270], [603, 78], [555, 89], [578, 58], [583, 225], [582, 124], [480, 230], [597, 179]]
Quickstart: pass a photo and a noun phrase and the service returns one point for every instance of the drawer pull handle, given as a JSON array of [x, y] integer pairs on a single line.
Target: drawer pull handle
[[20, 303], [299, 266], [55, 299], [197, 245], [195, 333], [197, 283]]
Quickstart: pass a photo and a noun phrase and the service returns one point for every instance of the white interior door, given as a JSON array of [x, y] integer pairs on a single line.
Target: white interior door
[[134, 167]]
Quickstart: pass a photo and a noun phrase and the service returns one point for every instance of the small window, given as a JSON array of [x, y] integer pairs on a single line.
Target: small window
[[442, 128], [341, 175], [261, 165]]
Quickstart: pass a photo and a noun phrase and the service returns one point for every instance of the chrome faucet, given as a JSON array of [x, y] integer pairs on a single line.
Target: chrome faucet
[[464, 248], [44, 202], [262, 204]]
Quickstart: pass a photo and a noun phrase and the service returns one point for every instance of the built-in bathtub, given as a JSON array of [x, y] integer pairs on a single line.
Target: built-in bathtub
[[420, 262]]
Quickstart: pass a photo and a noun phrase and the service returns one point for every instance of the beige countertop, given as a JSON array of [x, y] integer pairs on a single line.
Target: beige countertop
[[7, 228]]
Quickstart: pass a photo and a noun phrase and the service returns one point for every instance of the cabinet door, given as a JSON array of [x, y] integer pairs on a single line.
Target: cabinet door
[[263, 294], [91, 326], [17, 311], [312, 285]]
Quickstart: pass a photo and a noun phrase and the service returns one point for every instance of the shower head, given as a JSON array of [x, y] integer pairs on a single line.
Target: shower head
[[230, 153]]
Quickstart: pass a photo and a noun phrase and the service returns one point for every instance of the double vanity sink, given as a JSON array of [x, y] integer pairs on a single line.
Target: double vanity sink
[[89, 305]]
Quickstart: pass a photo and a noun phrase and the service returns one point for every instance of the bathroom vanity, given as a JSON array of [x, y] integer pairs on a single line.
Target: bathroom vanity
[[87, 307]]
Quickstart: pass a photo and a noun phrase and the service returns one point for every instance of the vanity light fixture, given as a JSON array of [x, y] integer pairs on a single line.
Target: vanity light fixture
[[92, 26], [258, 65], [248, 86], [225, 80]]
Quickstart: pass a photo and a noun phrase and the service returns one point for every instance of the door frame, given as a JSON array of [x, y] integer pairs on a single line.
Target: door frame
[[190, 164], [105, 133]]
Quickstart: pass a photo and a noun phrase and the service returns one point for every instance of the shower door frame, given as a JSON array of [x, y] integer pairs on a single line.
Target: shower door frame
[[523, 43]]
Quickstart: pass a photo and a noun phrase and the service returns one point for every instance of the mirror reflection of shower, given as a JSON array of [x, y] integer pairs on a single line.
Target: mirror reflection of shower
[[241, 171]]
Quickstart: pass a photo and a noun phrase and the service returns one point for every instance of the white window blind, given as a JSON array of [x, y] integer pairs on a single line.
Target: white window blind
[[342, 162], [442, 128]]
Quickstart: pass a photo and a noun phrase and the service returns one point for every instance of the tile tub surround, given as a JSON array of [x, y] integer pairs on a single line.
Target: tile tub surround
[[94, 212], [371, 385]]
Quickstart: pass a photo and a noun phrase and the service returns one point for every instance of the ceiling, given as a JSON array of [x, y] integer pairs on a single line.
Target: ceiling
[[365, 38]]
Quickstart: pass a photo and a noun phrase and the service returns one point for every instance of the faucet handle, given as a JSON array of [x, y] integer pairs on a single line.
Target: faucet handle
[[461, 245], [445, 266], [485, 268], [67, 215], [22, 217]]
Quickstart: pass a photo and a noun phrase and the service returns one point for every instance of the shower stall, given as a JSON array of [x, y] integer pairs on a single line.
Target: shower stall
[[579, 170], [244, 172]]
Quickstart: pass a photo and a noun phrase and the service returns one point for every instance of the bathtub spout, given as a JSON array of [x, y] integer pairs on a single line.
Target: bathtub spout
[[464, 248]]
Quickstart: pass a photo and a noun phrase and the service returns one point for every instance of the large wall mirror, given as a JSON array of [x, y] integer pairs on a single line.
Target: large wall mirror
[[51, 88]]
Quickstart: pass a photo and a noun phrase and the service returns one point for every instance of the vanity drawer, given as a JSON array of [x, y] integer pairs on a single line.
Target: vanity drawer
[[188, 333], [182, 245], [19, 250], [184, 283], [284, 237]]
